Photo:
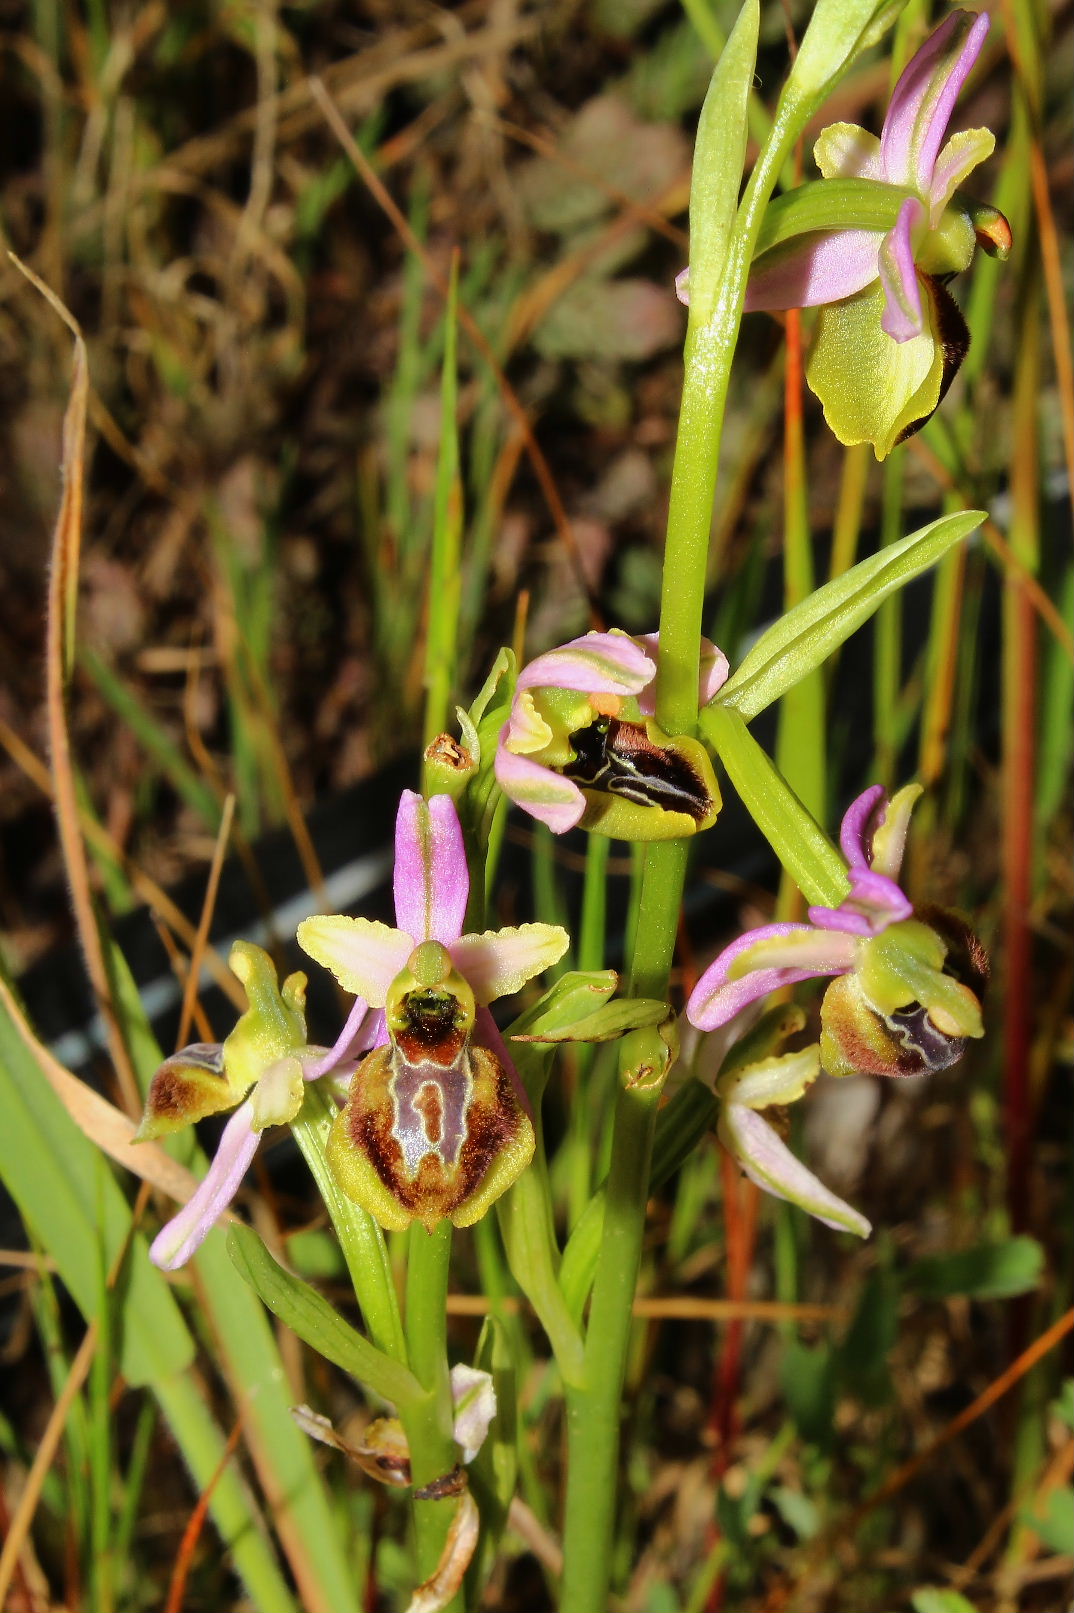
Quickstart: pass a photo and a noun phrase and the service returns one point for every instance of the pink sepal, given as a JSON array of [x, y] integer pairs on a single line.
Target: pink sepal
[[432, 882], [874, 903], [859, 821], [729, 984], [596, 663], [184, 1234], [712, 674], [767, 1160], [355, 1037], [820, 268], [547, 796], [924, 99]]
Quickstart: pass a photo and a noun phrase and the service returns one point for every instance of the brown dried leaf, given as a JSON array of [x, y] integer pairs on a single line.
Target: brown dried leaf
[[440, 1587], [100, 1120]]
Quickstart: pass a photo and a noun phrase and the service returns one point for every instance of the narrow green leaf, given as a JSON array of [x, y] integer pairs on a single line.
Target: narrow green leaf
[[573, 997], [808, 1379], [940, 1600], [606, 1024], [798, 1511], [987, 1271], [70, 1200], [839, 30], [805, 637], [181, 1397], [718, 158], [1063, 1404], [309, 1314], [154, 740], [1056, 713], [67, 1195], [530, 1245], [793, 833]]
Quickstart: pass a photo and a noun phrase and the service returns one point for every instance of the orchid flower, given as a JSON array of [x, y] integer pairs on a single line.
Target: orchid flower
[[581, 745], [261, 1068], [436, 1122], [890, 339], [754, 1078], [904, 1000], [905, 997]]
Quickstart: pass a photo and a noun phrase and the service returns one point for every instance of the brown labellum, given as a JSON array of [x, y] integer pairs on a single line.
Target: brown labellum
[[856, 1039], [188, 1086], [433, 1125], [619, 758]]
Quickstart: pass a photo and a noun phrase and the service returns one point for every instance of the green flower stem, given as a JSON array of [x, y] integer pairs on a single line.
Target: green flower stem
[[887, 635], [717, 297], [709, 351], [591, 931], [593, 1410], [428, 1425]]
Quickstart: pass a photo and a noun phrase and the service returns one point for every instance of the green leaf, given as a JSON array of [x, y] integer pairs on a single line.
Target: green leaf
[[934, 1600], [309, 1314], [718, 158], [790, 829], [799, 1512], [829, 204], [529, 1243], [606, 1024], [623, 319], [804, 638], [575, 996], [987, 1271], [154, 739], [1063, 1404], [69, 1198], [1053, 1519], [863, 1352], [839, 30], [689, 1114]]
